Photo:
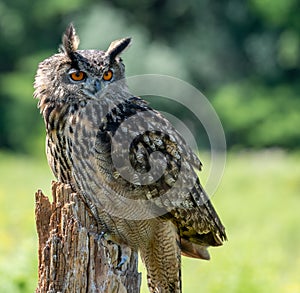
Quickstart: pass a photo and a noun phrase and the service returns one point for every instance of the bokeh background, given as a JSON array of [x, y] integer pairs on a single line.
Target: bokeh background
[[243, 55]]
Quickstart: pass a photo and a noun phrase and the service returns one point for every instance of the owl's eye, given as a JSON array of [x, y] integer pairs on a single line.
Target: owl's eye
[[107, 75], [77, 75]]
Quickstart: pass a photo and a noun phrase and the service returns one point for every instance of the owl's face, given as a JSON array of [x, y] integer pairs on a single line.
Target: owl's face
[[75, 75]]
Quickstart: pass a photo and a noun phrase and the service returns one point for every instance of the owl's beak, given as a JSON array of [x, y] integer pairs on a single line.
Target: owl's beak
[[92, 87], [97, 84]]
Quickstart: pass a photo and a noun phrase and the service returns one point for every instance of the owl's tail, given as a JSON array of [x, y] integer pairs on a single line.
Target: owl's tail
[[193, 250]]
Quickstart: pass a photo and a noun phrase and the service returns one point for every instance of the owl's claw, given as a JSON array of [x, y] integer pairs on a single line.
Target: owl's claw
[[102, 235], [123, 260]]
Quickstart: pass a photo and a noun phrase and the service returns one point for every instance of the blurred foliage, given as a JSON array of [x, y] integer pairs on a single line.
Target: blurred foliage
[[243, 55]]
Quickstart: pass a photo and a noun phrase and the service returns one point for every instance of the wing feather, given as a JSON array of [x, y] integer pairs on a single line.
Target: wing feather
[[169, 179]]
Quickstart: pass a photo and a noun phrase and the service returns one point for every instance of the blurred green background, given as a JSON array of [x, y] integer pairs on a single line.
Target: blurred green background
[[243, 55]]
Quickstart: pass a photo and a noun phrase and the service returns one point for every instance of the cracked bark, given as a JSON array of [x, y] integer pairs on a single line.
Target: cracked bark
[[72, 256]]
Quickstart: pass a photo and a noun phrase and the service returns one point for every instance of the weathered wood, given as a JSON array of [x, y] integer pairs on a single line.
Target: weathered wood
[[72, 256]]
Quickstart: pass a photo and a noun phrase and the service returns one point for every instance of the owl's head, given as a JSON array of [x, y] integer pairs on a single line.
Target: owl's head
[[74, 75]]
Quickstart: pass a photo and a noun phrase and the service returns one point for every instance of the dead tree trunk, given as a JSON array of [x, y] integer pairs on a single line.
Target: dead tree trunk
[[72, 256]]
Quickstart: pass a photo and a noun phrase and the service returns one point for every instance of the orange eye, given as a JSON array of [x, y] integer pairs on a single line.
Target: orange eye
[[107, 75], [77, 76]]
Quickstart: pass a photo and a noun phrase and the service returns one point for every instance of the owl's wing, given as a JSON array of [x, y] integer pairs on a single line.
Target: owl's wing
[[150, 160]]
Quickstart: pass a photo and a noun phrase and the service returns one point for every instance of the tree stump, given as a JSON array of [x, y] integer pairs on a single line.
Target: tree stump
[[73, 257]]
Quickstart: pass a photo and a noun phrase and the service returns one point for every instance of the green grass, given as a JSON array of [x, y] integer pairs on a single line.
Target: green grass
[[258, 201], [20, 177]]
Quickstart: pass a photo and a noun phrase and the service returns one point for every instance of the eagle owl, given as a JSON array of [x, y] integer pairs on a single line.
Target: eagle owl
[[126, 161]]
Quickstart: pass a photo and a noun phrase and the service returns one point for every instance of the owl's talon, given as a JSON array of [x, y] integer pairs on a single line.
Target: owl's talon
[[102, 235], [123, 260]]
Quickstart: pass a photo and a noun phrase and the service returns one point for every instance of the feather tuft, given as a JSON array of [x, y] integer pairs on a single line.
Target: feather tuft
[[117, 47], [70, 41]]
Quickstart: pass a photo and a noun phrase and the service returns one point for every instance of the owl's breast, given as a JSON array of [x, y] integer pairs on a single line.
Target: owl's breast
[[58, 142], [58, 156]]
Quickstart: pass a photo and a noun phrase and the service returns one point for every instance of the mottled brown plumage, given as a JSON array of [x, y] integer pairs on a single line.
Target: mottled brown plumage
[[127, 162]]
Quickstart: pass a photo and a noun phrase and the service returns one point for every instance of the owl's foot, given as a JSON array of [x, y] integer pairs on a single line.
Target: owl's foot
[[124, 259], [102, 235]]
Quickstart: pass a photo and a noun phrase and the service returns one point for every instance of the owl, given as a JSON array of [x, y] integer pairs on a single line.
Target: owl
[[125, 160]]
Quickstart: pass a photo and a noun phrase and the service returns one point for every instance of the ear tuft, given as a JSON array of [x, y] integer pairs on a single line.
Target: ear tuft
[[117, 47], [70, 40]]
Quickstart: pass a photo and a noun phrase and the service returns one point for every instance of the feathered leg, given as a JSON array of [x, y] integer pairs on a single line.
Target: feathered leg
[[163, 260]]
